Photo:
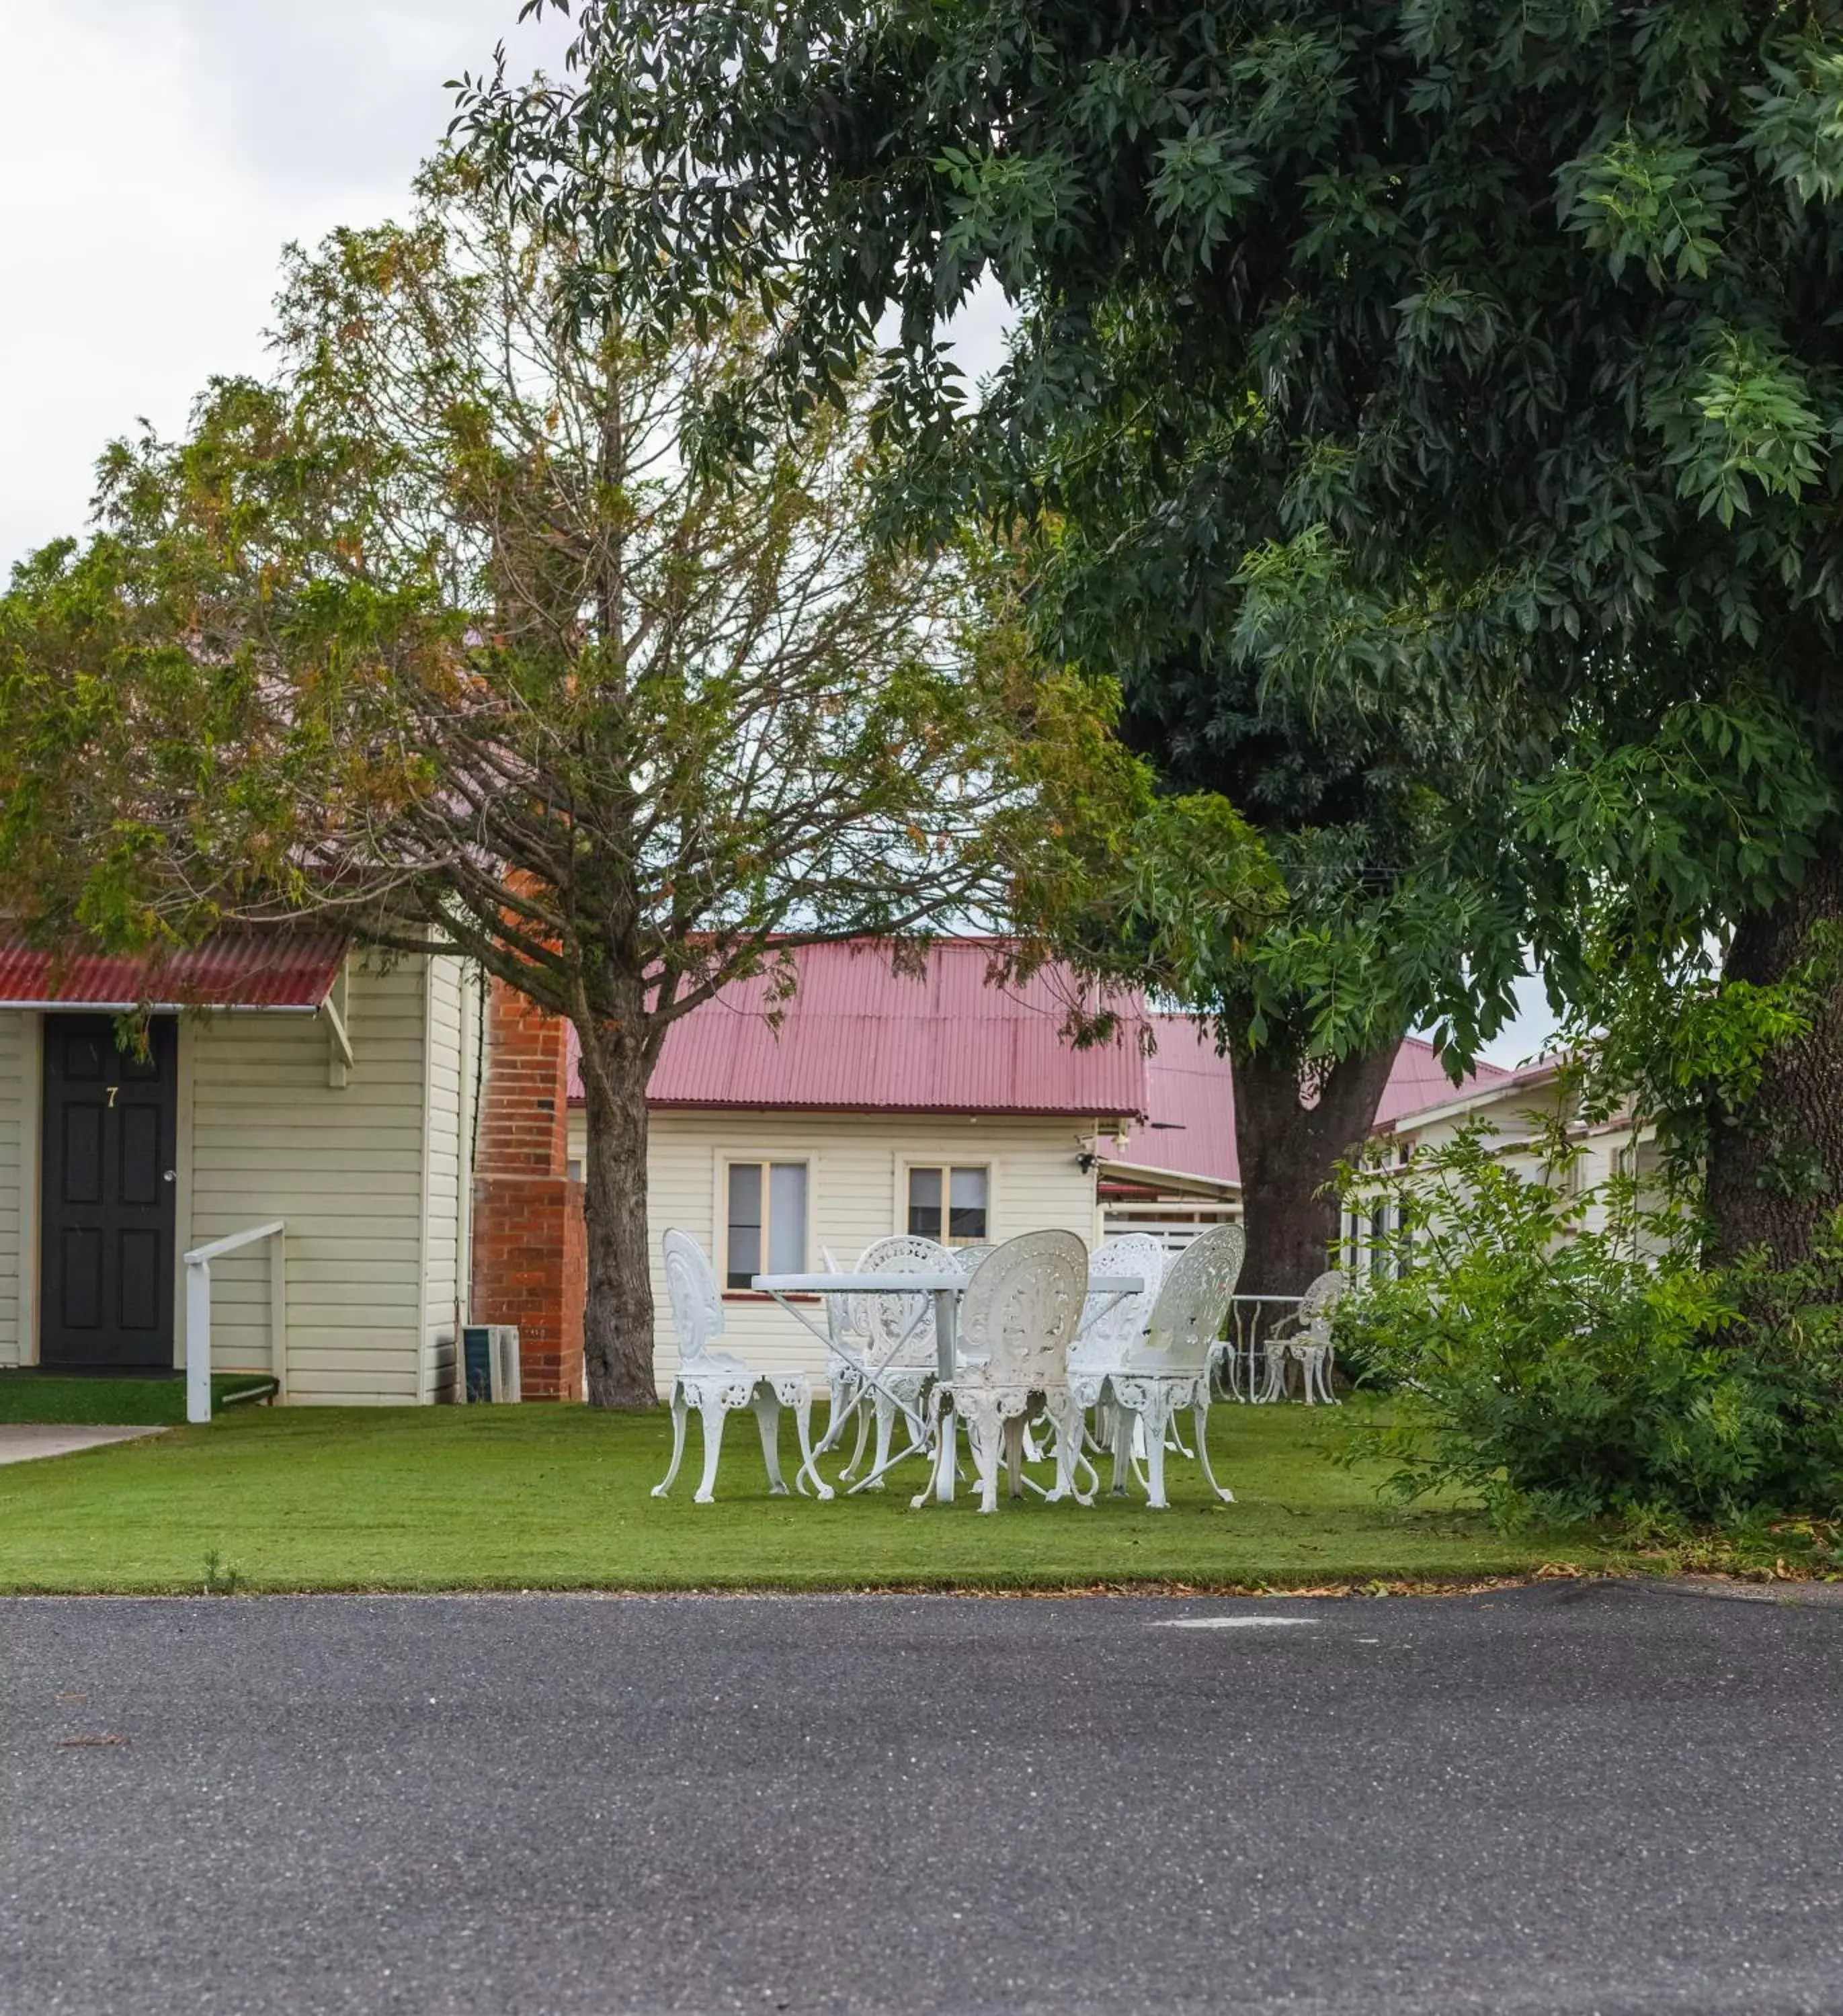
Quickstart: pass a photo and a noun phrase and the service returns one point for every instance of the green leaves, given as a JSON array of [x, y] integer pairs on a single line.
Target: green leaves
[[1426, 413], [1716, 808], [1015, 212], [1197, 191], [1556, 1350], [451, 633], [1741, 413], [1798, 116], [1649, 198]]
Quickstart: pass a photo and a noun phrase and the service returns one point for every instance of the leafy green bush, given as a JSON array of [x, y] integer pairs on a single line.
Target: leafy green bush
[[1560, 1352]]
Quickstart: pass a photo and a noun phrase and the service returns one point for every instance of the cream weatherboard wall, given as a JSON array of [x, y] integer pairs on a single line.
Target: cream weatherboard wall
[[370, 1177], [1518, 1116], [367, 1175], [449, 1095], [856, 1192]]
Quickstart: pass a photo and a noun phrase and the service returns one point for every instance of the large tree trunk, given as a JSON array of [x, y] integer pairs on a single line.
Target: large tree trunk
[[1288, 1151], [1776, 1172], [617, 1320]]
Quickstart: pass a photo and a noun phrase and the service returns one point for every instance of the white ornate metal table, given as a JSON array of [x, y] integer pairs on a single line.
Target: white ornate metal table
[[943, 1290]]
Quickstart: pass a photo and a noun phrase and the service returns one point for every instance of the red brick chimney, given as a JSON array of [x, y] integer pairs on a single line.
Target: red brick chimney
[[530, 1259]]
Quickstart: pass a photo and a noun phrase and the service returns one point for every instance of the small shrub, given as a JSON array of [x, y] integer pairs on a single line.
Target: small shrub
[[1561, 1353], [221, 1579]]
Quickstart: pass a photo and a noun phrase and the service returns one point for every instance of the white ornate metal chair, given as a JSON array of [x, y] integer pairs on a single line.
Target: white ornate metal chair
[[898, 1334], [1017, 1318], [717, 1383], [1110, 1323], [1167, 1368], [1274, 1358], [1309, 1345]]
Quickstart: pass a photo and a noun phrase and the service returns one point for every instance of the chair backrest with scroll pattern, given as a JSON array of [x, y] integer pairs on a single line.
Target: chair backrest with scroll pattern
[[1111, 1324], [1193, 1301], [1317, 1303], [696, 1301], [837, 1308], [899, 1324], [1021, 1307]]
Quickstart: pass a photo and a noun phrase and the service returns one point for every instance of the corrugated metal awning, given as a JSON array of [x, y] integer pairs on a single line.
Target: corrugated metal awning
[[283, 971]]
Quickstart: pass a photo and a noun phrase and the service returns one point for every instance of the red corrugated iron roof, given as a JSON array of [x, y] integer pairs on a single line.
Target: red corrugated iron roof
[[278, 970], [1419, 1080], [1190, 1125], [858, 1037]]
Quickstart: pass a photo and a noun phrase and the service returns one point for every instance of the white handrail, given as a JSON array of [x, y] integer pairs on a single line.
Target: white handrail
[[198, 1312]]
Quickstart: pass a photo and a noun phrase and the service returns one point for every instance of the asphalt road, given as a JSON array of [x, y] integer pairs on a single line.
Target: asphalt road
[[1571, 1797]]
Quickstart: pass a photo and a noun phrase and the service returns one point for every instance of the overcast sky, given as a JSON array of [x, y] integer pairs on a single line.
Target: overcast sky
[[155, 155]]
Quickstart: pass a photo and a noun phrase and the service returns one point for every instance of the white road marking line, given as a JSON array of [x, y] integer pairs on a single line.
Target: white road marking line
[[1225, 1623]]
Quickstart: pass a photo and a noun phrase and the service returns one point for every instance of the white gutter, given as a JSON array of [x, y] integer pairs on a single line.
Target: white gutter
[[40, 1006], [1180, 1179]]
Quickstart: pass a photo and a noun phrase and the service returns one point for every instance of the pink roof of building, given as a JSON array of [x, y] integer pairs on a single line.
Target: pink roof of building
[[1189, 1129], [1419, 1081], [858, 1037], [1189, 1126], [274, 969]]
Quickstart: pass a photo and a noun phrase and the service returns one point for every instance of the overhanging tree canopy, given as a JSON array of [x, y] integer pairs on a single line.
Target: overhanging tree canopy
[[1519, 318], [1400, 906]]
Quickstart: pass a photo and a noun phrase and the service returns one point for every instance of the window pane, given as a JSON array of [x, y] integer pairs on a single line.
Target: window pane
[[745, 1225], [1379, 1228], [787, 1219], [966, 1204], [925, 1203]]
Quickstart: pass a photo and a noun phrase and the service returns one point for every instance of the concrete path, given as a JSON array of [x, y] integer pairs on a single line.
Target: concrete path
[[1573, 1798], [22, 1443]]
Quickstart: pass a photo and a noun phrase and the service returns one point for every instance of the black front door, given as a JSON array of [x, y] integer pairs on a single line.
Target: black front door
[[106, 1253]]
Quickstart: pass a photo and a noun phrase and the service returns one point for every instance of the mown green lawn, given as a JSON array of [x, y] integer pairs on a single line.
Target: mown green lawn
[[48, 1399], [556, 1498]]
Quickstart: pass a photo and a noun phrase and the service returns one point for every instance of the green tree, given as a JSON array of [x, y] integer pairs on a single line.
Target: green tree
[[1383, 874], [1509, 331], [441, 635]]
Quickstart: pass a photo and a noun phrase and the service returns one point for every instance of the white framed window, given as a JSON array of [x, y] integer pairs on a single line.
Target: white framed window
[[765, 1209], [949, 1202], [1642, 1160]]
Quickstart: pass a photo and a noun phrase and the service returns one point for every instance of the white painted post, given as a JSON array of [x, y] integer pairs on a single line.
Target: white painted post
[[198, 1340], [278, 1312]]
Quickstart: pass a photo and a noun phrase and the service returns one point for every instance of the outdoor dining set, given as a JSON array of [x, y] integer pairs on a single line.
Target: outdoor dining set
[[1102, 1354]]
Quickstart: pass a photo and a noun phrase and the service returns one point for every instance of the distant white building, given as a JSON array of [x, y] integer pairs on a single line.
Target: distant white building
[[1521, 1108]]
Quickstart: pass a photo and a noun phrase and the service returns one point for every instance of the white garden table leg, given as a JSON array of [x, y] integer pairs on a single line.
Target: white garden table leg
[[917, 1422], [835, 1428], [946, 1345]]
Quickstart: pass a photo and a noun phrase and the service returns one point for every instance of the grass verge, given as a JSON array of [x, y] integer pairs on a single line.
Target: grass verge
[[45, 1399], [558, 1497]]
